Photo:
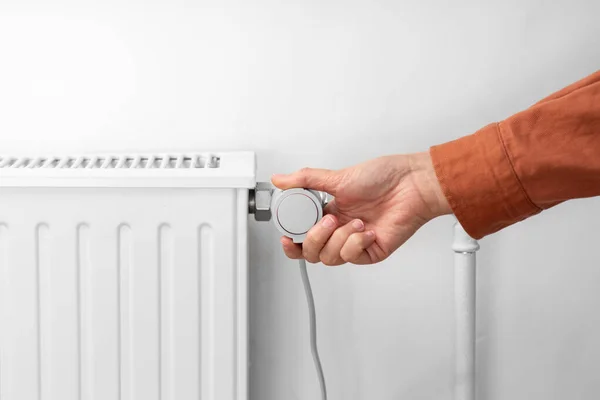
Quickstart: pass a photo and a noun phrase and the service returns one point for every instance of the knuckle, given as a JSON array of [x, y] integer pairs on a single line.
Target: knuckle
[[305, 171], [329, 260], [356, 241], [315, 237], [349, 255], [310, 237], [306, 254]]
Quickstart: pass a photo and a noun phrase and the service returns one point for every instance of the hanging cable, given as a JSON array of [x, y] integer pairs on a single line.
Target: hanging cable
[[312, 315]]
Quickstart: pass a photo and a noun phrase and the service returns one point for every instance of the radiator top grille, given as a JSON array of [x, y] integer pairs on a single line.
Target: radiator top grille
[[179, 161], [200, 169]]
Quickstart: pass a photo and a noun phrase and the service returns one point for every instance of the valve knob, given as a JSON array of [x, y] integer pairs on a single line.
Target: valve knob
[[295, 211]]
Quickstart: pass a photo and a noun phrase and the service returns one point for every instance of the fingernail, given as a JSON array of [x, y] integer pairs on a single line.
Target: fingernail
[[328, 222], [358, 224], [370, 234]]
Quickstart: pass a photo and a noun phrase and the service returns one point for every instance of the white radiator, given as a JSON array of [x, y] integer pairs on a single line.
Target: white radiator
[[124, 277]]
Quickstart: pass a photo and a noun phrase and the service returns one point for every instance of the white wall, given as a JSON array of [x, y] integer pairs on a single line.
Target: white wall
[[331, 83]]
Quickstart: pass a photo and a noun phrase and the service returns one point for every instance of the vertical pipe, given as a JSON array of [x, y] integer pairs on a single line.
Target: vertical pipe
[[464, 248]]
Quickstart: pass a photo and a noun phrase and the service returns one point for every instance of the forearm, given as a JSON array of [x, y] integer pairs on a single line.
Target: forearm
[[511, 170]]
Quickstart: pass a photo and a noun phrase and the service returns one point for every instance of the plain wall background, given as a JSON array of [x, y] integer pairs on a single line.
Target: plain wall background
[[329, 84]]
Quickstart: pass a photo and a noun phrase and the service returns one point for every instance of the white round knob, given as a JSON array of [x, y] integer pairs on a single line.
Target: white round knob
[[295, 211], [297, 214]]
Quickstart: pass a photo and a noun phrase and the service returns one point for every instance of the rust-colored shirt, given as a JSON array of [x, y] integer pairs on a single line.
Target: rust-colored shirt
[[513, 169]]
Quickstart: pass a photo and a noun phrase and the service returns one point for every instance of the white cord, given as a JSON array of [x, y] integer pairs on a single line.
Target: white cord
[[312, 315]]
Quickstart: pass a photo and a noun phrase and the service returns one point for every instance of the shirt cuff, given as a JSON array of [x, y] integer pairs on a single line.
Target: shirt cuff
[[480, 183]]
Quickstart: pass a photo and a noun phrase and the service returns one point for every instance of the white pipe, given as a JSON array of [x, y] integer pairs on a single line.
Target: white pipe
[[464, 248]]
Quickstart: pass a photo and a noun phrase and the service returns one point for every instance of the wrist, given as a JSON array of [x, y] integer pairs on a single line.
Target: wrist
[[428, 185]]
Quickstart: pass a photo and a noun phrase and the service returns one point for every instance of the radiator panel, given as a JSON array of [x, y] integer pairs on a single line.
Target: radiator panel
[[123, 293]]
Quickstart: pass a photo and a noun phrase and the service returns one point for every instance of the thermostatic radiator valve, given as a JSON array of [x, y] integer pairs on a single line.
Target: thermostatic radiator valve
[[293, 211]]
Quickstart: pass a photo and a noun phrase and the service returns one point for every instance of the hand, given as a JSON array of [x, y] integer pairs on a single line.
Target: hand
[[378, 205]]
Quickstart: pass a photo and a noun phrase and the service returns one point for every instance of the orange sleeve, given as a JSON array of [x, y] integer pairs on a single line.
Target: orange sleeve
[[513, 169]]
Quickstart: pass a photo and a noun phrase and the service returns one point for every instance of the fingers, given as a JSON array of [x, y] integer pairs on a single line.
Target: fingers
[[310, 178], [314, 242], [355, 249], [324, 243], [330, 254], [317, 237]]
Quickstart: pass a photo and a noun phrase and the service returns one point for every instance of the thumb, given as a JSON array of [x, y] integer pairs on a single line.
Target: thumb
[[324, 180]]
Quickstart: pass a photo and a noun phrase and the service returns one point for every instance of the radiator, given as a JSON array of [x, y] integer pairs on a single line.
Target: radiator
[[124, 277]]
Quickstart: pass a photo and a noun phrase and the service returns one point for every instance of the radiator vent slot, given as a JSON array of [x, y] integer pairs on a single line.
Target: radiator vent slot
[[180, 161]]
